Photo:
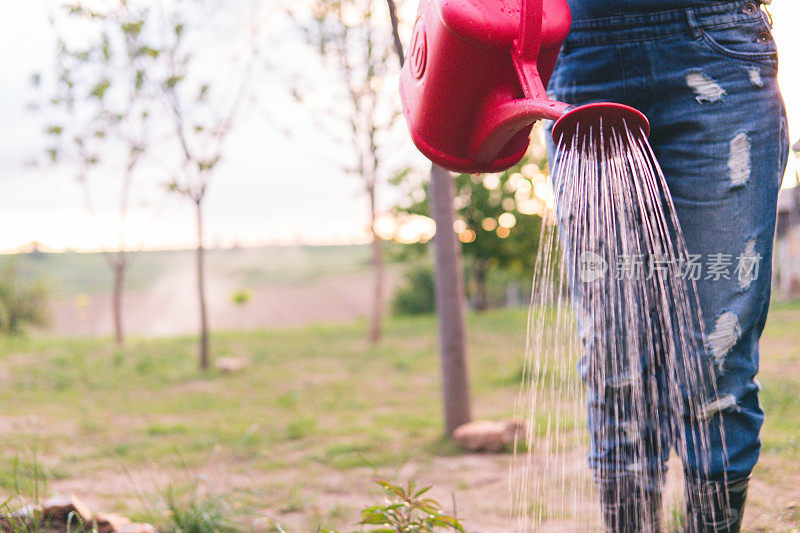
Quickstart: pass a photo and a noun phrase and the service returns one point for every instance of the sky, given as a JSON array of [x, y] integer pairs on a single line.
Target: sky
[[270, 189]]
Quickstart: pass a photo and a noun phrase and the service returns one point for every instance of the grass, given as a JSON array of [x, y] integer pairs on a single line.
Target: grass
[[298, 438]]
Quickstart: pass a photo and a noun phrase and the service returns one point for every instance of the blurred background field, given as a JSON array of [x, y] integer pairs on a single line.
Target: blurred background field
[[75, 273], [280, 285]]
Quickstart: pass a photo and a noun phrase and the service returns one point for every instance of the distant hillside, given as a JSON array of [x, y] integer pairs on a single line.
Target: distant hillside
[[72, 273]]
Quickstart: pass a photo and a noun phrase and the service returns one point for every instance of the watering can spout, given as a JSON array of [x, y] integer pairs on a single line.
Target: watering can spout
[[599, 122], [502, 123]]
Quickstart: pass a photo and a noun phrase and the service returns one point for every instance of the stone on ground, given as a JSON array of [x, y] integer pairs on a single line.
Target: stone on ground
[[68, 513], [488, 435], [232, 364], [110, 522], [66, 509]]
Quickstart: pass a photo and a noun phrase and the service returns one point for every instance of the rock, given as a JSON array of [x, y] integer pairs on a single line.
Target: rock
[[137, 528], [488, 435], [110, 522], [66, 509], [228, 365]]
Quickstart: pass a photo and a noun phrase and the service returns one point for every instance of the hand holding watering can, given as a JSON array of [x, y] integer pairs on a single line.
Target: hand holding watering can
[[474, 80]]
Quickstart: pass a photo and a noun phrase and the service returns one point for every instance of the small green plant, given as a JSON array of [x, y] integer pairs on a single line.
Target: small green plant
[[300, 428], [21, 303], [240, 297], [406, 511], [676, 520], [193, 512], [417, 295]]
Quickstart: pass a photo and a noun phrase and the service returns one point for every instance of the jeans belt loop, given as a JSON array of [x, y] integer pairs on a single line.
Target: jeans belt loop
[[691, 21]]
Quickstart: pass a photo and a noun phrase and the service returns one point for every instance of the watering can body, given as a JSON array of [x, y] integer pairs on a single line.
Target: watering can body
[[474, 79]]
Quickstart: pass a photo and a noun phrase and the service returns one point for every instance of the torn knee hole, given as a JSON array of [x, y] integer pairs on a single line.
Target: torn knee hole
[[723, 337]]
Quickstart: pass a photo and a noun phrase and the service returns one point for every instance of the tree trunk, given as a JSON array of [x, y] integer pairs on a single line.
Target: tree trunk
[[376, 317], [449, 303], [449, 286], [120, 266], [201, 287]]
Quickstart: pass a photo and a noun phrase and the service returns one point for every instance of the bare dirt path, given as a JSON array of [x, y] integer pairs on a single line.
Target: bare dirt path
[[170, 308]]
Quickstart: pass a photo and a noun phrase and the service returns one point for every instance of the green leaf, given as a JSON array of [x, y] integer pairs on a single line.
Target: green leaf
[[100, 88], [428, 509], [422, 491], [393, 488], [202, 94], [206, 165], [105, 48], [133, 29], [148, 51], [138, 81], [172, 81], [375, 519]]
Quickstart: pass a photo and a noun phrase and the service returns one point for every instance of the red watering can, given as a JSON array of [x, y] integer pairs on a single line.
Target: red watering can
[[474, 80]]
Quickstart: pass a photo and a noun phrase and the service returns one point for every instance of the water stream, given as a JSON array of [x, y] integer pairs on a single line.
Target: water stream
[[614, 324]]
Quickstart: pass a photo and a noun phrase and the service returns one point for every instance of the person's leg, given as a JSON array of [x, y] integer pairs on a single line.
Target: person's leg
[[719, 131]]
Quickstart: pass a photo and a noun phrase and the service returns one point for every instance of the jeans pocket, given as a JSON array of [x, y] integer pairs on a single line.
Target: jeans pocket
[[745, 42]]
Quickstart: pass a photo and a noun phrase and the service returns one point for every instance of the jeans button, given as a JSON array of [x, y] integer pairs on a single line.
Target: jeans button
[[750, 9], [764, 37]]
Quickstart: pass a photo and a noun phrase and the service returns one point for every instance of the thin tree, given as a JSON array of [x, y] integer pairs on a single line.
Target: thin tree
[[99, 114], [352, 38], [449, 284], [202, 114]]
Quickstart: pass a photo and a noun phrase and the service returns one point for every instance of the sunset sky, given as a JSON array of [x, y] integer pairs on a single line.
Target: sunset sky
[[270, 189]]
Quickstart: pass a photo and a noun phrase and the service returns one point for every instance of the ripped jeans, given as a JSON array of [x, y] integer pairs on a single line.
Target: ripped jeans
[[705, 77]]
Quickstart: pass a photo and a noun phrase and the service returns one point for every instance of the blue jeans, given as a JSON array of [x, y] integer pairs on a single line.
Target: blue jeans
[[704, 74]]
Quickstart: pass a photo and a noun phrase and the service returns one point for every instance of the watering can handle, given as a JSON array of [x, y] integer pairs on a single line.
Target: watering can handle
[[530, 29], [498, 124], [526, 48]]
